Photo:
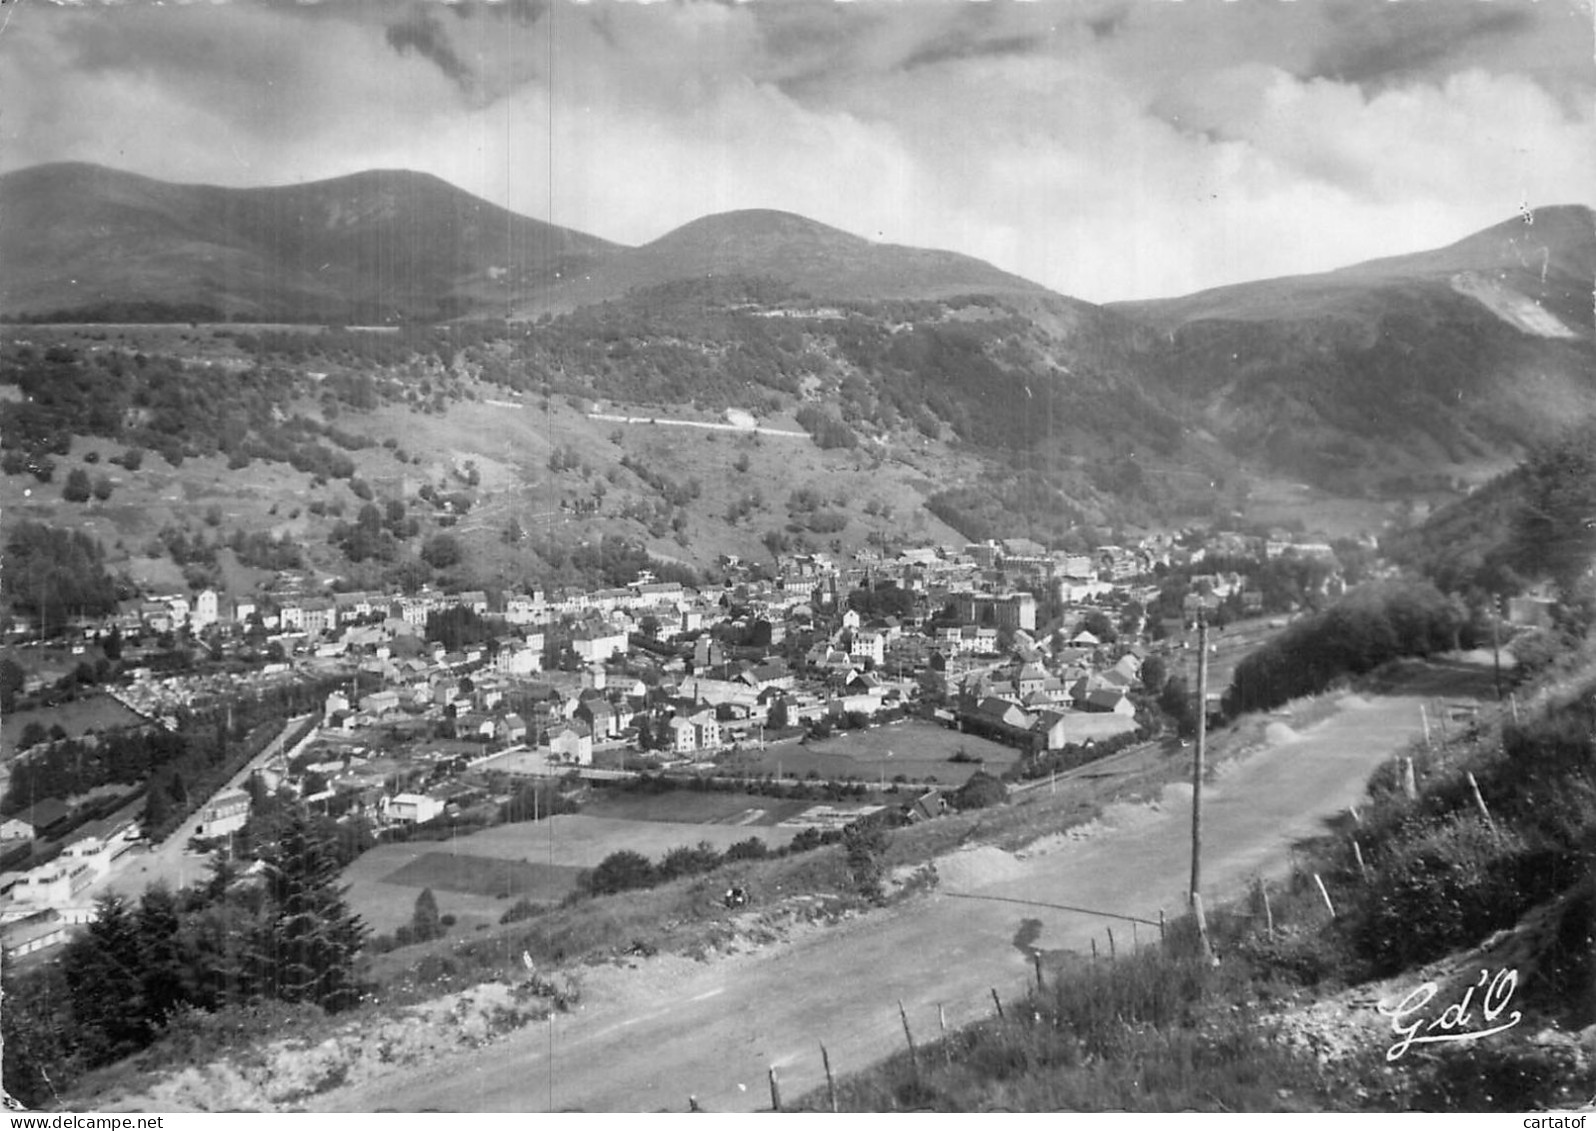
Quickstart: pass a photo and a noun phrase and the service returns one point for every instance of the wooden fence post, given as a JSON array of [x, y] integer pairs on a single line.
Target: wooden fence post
[[775, 1090], [1474, 786], [1410, 786], [1363, 869], [1325, 894], [914, 1057], [997, 1001], [1160, 924], [831, 1081], [1111, 955], [1036, 958]]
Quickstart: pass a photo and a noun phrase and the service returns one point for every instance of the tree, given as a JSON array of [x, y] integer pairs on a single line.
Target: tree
[[37, 1035], [865, 844], [163, 962], [105, 984], [157, 810], [1155, 670], [620, 871], [441, 551], [981, 791], [305, 949], [780, 716], [1177, 700], [77, 488], [103, 487], [1555, 528], [11, 680]]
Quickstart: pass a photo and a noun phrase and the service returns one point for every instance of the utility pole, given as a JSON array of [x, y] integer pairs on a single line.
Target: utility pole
[[1496, 644], [1197, 755]]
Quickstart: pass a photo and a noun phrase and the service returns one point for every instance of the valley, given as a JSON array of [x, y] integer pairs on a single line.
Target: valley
[[642, 632]]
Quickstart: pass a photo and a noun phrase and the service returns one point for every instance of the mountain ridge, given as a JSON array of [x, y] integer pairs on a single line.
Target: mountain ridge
[[1429, 364]]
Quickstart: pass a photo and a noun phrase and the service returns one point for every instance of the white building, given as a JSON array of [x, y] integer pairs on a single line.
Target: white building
[[410, 808], [206, 611]]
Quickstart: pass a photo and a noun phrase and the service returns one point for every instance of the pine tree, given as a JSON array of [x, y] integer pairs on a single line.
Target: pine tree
[[163, 961], [157, 808], [37, 1036], [306, 949], [425, 920], [218, 938], [105, 984]]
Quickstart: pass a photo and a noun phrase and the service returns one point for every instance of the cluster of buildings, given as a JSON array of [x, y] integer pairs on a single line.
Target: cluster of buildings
[[651, 668]]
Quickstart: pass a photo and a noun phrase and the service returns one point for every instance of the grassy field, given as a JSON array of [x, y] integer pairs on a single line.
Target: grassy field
[[475, 877], [735, 809], [483, 875], [90, 712], [916, 750]]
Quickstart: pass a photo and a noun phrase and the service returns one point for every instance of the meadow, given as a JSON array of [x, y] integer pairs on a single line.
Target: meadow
[[913, 750], [86, 713], [476, 877]]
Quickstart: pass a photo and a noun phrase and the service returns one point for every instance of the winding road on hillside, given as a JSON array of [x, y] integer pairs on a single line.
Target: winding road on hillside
[[673, 1028]]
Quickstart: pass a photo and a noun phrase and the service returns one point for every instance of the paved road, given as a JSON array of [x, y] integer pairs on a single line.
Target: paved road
[[713, 1031], [171, 861]]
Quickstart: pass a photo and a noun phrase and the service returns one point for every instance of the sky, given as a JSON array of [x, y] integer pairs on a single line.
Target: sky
[[1109, 149]]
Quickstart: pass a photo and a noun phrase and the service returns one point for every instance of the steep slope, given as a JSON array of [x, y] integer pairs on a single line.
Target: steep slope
[[809, 256], [377, 245], [1419, 365]]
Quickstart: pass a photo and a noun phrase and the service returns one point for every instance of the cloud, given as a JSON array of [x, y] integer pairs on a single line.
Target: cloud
[[423, 33], [1374, 48]]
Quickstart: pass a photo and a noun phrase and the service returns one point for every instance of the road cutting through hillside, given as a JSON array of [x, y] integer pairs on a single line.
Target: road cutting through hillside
[[648, 1038]]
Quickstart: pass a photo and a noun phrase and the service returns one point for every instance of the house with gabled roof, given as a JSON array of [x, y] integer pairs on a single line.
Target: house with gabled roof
[[571, 742]]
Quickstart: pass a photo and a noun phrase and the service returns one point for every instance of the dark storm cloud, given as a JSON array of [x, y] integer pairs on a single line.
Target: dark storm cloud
[[1408, 40], [423, 33]]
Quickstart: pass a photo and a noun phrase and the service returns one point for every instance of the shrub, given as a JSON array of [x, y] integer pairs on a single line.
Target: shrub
[[77, 488], [980, 792], [620, 871], [523, 908], [1440, 885]]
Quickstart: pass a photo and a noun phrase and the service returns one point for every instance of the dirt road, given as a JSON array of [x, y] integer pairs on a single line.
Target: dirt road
[[649, 1038]]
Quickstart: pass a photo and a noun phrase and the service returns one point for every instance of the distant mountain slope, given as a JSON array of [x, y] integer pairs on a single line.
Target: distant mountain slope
[[1547, 259], [809, 256], [1415, 364], [379, 245]]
